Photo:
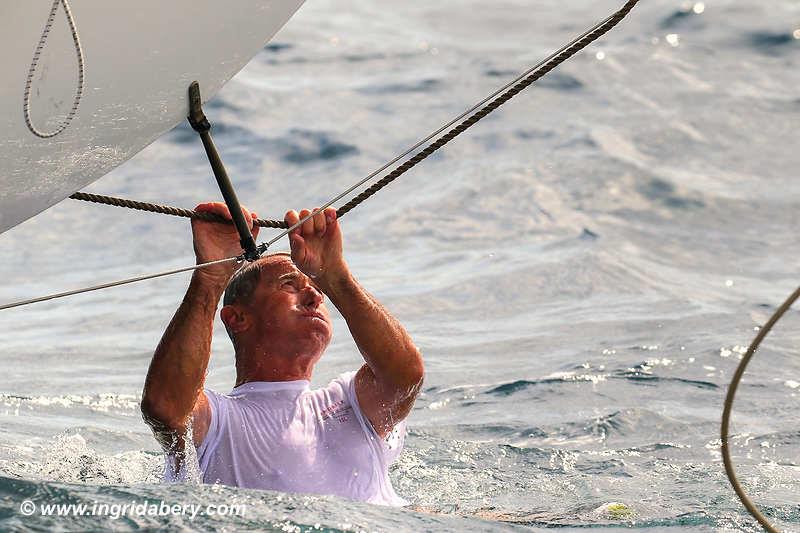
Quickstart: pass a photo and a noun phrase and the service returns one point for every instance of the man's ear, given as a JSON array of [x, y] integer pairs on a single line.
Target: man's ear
[[235, 318]]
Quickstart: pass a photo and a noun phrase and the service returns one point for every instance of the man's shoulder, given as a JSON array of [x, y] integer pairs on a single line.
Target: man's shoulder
[[338, 390], [343, 380], [213, 395], [217, 400]]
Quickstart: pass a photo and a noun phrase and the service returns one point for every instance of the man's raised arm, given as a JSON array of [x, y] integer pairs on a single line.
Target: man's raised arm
[[173, 390], [389, 382]]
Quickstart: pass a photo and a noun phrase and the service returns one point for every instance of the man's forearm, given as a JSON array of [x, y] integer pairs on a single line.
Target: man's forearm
[[178, 368], [386, 346]]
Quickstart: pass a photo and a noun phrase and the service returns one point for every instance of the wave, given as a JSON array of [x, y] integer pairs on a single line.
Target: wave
[[421, 86], [651, 380], [561, 82], [117, 403], [247, 147], [257, 510], [277, 47], [506, 389], [771, 43], [682, 19], [566, 378]]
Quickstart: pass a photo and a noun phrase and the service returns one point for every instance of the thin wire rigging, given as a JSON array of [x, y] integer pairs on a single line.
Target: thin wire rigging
[[116, 283]]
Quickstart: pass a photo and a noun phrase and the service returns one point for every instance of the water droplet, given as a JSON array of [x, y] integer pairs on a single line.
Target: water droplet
[[673, 39], [699, 7], [600, 55]]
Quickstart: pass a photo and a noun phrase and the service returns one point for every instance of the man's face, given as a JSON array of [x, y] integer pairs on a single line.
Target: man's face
[[288, 310]]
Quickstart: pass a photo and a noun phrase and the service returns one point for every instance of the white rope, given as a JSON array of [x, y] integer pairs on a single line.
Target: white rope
[[35, 62], [116, 283]]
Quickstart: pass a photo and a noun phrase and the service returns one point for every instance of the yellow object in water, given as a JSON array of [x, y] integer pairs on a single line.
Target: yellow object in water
[[615, 511]]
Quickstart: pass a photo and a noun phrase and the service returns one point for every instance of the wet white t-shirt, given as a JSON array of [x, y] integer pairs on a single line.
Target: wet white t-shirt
[[280, 435]]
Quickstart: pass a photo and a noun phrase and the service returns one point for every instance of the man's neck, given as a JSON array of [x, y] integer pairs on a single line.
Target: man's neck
[[260, 366]]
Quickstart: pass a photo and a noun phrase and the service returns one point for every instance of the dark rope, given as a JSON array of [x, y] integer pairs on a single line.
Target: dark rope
[[26, 106], [726, 413], [168, 210], [546, 67]]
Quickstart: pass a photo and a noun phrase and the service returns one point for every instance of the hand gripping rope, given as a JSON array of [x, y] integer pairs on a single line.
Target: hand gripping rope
[[201, 125]]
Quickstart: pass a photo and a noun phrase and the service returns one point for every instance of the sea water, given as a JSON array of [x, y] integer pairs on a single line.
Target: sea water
[[582, 271]]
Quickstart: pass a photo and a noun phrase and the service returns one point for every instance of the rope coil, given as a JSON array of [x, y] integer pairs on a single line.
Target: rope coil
[[35, 62]]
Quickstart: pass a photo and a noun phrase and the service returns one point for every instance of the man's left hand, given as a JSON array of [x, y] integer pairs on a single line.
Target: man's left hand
[[317, 244]]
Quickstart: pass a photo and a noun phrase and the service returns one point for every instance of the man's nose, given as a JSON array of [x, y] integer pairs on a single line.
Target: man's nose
[[312, 297]]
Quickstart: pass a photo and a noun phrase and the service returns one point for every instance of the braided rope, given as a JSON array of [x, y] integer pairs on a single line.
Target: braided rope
[[35, 62], [568, 51], [168, 210], [730, 471]]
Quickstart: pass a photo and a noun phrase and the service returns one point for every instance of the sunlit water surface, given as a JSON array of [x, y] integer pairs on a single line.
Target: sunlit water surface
[[582, 270]]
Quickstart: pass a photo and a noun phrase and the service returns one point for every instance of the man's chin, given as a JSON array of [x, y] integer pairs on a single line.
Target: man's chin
[[320, 329]]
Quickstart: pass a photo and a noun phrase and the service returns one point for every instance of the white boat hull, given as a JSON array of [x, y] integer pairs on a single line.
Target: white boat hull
[[140, 58]]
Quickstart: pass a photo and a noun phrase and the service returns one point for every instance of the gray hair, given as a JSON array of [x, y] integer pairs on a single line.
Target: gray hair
[[243, 284]]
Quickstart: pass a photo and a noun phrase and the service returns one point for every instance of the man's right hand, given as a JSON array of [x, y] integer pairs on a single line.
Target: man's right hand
[[173, 389], [213, 241]]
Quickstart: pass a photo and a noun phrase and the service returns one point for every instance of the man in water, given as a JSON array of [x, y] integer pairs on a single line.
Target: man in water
[[271, 431]]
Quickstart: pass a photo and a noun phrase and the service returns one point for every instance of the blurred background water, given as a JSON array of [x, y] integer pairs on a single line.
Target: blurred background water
[[582, 270]]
